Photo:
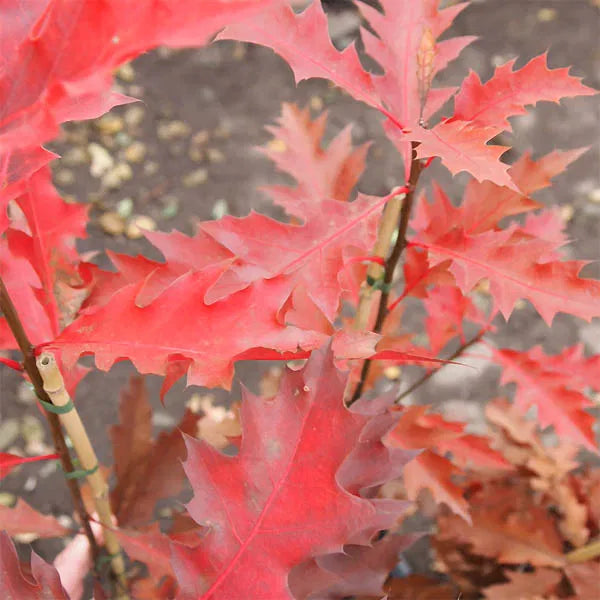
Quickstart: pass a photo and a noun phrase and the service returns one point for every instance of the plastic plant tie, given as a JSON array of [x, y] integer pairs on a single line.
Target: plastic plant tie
[[57, 410]]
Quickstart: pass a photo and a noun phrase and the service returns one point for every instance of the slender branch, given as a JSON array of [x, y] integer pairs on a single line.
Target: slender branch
[[390, 266], [14, 322], [54, 386], [431, 373]]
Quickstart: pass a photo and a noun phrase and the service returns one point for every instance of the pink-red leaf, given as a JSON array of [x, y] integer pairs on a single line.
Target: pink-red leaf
[[44, 585], [558, 397], [22, 518], [508, 92], [280, 500], [9, 461], [463, 146]]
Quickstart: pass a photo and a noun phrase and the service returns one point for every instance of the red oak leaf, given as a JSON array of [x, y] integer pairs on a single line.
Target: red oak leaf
[[358, 571], [22, 518], [178, 326], [302, 40], [9, 461], [45, 582], [61, 54], [321, 173], [405, 47], [517, 264], [47, 241], [559, 397], [485, 204], [463, 146], [312, 255], [508, 92], [435, 473], [447, 308], [508, 527], [149, 546], [418, 429], [280, 501]]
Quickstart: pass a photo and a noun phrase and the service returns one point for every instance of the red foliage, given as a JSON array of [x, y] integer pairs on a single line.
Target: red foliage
[[297, 511]]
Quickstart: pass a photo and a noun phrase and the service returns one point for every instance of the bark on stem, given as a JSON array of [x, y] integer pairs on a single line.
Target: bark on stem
[[54, 386], [12, 318], [387, 226], [390, 267]]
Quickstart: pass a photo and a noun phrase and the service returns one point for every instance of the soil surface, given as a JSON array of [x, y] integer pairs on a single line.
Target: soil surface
[[189, 149]]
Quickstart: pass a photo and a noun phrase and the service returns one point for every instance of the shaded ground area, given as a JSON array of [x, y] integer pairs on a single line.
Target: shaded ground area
[[187, 152]]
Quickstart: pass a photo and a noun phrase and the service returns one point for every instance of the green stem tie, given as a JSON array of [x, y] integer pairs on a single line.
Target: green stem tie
[[57, 410], [106, 558], [379, 284], [80, 473]]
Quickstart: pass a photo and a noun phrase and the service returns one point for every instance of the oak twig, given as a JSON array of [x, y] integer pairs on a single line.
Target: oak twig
[[390, 267], [14, 322], [54, 386], [431, 373]]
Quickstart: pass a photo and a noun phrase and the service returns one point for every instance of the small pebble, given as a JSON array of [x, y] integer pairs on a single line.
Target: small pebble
[[32, 429], [316, 103], [214, 155], [9, 432], [116, 176], [239, 51], [566, 212], [200, 138], [171, 206], [135, 153], [150, 167], [125, 207], [30, 484], [7, 499], [197, 177], [126, 73], [172, 130], [109, 124], [75, 156], [135, 91], [545, 15], [134, 115], [219, 209], [65, 521], [112, 223], [392, 373], [64, 177], [594, 195], [123, 139], [25, 393], [223, 130], [196, 154], [102, 161], [48, 468], [136, 227]]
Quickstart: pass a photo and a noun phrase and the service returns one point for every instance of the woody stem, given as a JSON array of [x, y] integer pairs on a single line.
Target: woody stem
[[390, 266], [16, 326]]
